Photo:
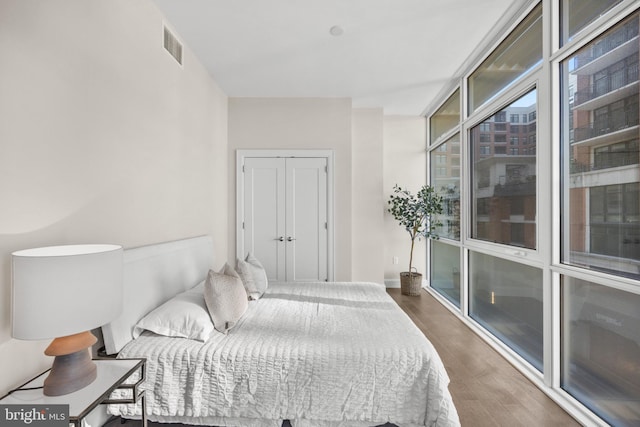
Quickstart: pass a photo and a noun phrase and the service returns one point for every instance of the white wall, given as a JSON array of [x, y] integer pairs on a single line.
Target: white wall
[[372, 153], [368, 200], [297, 123], [405, 160], [103, 138]]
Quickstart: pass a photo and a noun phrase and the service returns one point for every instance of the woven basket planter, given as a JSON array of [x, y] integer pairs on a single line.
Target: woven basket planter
[[410, 283]]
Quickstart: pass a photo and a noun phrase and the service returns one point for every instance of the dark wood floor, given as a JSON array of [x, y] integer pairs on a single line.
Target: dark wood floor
[[486, 389]]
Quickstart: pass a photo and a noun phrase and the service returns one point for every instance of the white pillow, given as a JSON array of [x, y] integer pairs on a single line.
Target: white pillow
[[254, 277], [184, 316], [225, 297]]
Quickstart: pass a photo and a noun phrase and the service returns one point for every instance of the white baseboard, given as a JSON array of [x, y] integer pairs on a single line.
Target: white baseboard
[[395, 283], [392, 283]]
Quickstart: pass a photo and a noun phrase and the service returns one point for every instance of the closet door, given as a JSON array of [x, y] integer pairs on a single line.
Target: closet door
[[285, 216], [264, 214], [306, 222]]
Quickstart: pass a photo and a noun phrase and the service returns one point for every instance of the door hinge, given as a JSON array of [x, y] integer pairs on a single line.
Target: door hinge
[[326, 227], [242, 168], [243, 225]]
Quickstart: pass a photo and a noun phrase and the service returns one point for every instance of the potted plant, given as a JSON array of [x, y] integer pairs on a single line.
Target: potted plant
[[416, 214]]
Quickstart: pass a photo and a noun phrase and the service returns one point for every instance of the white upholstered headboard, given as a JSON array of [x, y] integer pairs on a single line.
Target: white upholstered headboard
[[152, 275]]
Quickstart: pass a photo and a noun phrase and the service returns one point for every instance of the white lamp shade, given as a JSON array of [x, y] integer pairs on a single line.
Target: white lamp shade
[[64, 290]]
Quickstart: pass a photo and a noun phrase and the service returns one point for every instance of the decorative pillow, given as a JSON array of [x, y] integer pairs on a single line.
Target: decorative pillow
[[246, 275], [225, 297], [184, 316], [254, 277]]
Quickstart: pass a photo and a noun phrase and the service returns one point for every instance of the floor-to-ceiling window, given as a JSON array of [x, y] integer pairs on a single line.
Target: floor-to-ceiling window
[[505, 296], [537, 156], [600, 233], [445, 178]]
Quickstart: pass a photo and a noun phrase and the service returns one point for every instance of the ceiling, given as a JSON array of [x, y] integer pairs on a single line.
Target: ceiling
[[392, 54]]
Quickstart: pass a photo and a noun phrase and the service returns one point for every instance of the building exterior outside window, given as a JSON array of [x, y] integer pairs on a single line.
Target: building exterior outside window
[[502, 177], [602, 230], [446, 182]]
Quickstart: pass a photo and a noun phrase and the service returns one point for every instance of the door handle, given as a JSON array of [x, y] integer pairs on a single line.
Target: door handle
[[279, 239], [290, 239]]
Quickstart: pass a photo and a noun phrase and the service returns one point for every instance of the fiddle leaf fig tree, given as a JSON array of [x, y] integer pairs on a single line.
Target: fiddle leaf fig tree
[[416, 213]]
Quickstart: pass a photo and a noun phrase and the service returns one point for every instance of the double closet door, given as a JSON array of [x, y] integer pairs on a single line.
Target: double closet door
[[284, 216]]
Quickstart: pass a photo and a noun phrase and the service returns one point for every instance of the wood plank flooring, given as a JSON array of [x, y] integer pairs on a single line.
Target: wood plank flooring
[[486, 389]]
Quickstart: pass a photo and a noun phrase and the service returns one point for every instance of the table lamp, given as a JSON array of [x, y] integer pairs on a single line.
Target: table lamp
[[63, 292]]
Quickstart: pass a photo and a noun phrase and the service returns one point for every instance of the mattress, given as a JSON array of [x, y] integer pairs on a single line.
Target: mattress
[[317, 354]]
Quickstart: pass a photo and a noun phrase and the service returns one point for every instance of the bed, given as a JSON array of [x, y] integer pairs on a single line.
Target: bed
[[316, 354]]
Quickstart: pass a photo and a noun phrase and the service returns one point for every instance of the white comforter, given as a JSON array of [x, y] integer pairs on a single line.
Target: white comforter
[[318, 354]]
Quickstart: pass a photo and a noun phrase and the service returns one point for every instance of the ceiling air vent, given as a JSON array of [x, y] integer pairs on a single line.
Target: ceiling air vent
[[172, 45]]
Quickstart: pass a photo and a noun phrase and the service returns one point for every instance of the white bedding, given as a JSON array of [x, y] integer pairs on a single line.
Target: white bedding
[[318, 354]]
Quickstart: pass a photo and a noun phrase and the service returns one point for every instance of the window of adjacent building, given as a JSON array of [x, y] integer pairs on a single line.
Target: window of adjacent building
[[517, 233], [577, 14], [506, 298], [616, 154], [611, 208], [501, 178], [601, 154], [446, 182], [601, 349], [517, 206], [446, 118], [520, 51], [445, 271], [483, 181]]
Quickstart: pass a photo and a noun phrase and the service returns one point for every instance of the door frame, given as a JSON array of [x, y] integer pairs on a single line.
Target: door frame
[[326, 154]]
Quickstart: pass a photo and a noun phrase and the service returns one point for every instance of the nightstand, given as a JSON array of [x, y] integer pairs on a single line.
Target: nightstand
[[112, 375]]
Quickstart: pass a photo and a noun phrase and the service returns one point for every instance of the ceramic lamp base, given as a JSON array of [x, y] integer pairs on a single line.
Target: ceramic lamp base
[[69, 373], [72, 367]]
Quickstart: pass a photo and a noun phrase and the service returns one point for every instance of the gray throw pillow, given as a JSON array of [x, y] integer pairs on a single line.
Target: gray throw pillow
[[225, 297]]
